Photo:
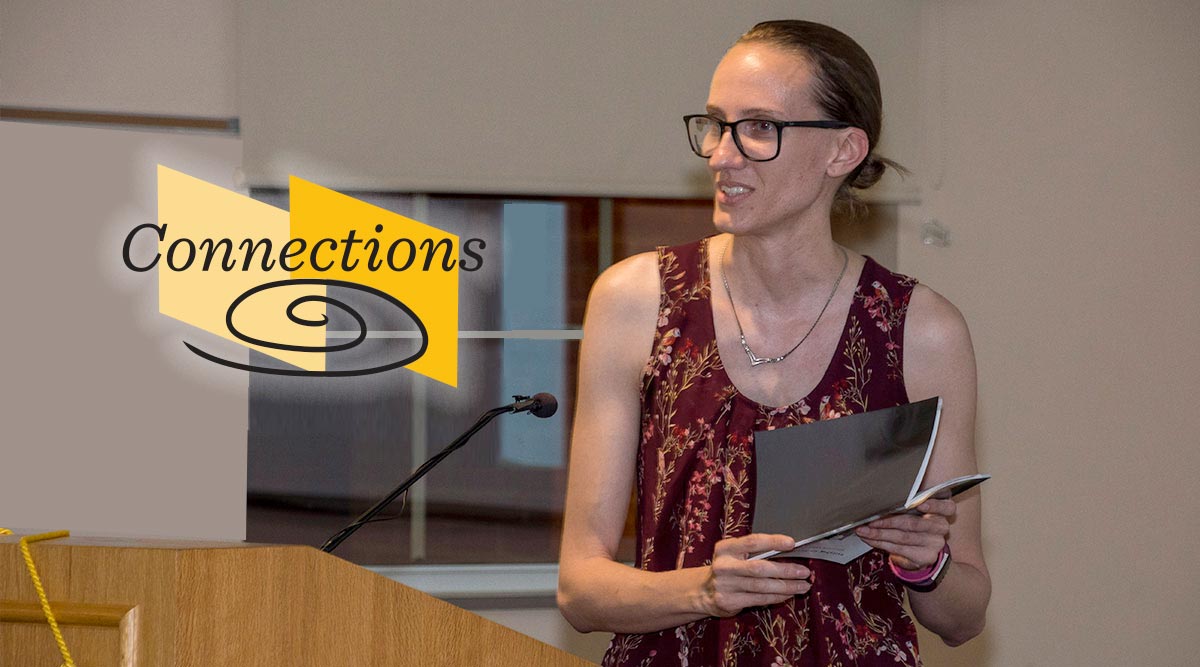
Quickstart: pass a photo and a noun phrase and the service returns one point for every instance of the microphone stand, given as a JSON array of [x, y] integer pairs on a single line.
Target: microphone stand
[[461, 440]]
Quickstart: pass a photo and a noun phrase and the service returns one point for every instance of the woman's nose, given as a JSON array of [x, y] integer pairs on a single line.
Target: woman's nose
[[726, 154]]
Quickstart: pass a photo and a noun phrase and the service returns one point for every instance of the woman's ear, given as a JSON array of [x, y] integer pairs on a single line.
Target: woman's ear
[[853, 147]]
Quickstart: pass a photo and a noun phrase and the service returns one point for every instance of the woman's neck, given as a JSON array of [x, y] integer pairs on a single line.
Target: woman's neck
[[785, 269]]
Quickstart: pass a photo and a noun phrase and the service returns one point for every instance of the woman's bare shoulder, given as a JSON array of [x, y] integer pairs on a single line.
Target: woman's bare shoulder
[[938, 353], [627, 291], [622, 315], [933, 322]]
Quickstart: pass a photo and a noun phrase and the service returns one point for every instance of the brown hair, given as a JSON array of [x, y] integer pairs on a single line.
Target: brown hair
[[847, 88]]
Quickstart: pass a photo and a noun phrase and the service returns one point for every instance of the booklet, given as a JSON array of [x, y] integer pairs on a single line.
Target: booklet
[[821, 480]]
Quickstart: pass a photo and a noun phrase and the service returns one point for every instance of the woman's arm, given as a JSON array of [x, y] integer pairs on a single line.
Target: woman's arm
[[939, 361], [594, 591]]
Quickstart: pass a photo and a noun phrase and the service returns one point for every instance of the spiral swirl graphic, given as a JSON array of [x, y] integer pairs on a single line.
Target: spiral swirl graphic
[[314, 322]]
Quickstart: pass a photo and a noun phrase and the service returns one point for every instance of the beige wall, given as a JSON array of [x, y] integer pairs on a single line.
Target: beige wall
[[1061, 151], [133, 56], [110, 426], [1064, 156]]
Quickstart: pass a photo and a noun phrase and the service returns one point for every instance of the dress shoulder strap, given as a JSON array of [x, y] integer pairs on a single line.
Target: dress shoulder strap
[[883, 298]]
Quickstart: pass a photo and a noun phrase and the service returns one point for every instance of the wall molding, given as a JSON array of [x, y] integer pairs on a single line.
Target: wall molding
[[124, 120]]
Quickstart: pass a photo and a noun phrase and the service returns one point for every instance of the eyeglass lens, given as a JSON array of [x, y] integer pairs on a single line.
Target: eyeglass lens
[[757, 139]]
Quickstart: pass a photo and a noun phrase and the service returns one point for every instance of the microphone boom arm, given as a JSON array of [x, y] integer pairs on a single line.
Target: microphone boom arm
[[522, 404]]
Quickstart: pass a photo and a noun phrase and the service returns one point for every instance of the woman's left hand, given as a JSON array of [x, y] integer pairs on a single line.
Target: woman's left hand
[[913, 540]]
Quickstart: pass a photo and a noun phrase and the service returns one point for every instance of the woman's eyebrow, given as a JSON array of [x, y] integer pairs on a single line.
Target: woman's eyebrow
[[756, 112]]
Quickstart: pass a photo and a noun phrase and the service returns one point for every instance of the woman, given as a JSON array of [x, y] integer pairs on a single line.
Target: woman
[[769, 312]]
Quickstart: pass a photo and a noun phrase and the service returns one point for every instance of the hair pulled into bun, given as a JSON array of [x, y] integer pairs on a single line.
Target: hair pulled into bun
[[845, 87], [869, 171]]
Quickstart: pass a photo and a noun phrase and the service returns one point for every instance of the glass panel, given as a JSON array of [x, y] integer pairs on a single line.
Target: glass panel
[[322, 450], [640, 225], [325, 449]]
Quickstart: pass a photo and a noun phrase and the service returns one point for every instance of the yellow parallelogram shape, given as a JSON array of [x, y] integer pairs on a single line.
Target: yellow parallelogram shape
[[193, 209], [431, 293]]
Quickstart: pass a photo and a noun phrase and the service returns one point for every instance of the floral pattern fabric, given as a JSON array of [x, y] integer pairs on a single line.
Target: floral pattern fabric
[[695, 482]]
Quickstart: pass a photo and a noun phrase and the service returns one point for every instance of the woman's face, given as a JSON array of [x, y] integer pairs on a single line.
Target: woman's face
[[764, 81]]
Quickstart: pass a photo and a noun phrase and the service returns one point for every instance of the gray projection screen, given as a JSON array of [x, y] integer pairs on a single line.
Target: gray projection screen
[[555, 98]]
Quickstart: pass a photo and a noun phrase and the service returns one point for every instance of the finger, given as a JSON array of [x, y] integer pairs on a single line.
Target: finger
[[752, 544], [906, 537], [729, 605], [769, 586], [908, 556], [944, 508], [930, 523], [904, 563], [900, 548], [733, 567], [739, 593]]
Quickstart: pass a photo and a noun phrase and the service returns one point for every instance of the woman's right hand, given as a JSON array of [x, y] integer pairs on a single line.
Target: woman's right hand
[[734, 583]]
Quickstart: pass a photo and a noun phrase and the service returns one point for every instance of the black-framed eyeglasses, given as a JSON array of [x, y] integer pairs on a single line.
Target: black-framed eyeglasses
[[758, 139]]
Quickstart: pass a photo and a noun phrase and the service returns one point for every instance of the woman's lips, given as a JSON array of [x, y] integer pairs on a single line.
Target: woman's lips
[[732, 193]]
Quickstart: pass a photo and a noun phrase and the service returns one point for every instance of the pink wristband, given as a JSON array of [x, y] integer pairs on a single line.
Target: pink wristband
[[926, 578]]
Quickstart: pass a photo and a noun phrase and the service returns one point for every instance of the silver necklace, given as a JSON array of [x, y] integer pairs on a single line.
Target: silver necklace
[[756, 360]]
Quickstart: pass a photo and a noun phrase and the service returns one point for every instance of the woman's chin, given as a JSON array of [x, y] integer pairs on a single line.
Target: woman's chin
[[724, 219], [726, 223]]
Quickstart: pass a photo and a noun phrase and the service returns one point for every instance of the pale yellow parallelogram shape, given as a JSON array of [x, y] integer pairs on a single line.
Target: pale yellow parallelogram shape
[[319, 212], [193, 209]]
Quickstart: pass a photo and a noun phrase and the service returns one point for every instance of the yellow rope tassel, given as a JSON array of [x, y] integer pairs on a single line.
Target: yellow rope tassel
[[41, 592]]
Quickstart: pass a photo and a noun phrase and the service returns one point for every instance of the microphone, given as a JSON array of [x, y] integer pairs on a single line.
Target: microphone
[[539, 405]]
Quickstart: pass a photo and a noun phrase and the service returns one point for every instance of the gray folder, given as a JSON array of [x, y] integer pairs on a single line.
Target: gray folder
[[819, 479]]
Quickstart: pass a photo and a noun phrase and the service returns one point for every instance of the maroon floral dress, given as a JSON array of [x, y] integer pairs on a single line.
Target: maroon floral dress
[[695, 477]]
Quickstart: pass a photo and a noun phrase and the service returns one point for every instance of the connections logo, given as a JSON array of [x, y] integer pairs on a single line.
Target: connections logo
[[269, 279]]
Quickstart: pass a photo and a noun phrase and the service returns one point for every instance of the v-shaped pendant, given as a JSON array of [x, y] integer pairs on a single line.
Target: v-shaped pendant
[[756, 360]]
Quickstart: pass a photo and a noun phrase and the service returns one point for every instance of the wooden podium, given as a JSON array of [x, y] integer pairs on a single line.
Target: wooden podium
[[147, 603]]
